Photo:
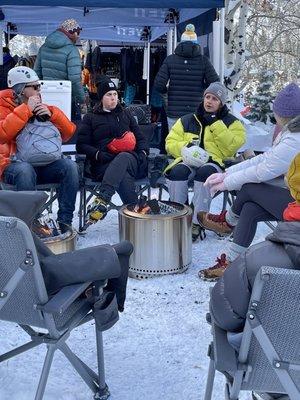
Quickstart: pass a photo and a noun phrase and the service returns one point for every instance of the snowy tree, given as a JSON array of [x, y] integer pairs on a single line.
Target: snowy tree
[[261, 34], [236, 12], [261, 101]]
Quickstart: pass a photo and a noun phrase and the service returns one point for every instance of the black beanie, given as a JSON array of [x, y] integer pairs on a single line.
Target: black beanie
[[104, 85]]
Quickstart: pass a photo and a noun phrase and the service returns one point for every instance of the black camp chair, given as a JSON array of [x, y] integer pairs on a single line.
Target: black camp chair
[[268, 359], [89, 187], [24, 300]]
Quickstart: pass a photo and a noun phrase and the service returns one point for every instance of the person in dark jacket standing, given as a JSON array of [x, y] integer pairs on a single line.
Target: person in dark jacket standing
[[115, 147], [59, 59], [8, 63], [189, 73]]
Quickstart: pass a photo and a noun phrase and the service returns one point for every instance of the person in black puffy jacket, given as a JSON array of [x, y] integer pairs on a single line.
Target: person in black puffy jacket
[[188, 72], [115, 147]]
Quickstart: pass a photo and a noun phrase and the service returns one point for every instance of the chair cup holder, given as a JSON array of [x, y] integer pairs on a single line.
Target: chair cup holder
[[106, 311]]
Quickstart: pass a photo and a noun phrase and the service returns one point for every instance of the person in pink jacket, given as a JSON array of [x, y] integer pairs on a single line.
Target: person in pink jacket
[[262, 194]]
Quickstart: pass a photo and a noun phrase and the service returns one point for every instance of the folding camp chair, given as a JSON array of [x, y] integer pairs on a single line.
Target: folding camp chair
[[90, 187], [51, 188], [24, 300], [268, 360]]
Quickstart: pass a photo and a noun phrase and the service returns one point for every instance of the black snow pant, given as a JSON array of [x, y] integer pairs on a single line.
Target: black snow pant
[[119, 176], [181, 172], [257, 202]]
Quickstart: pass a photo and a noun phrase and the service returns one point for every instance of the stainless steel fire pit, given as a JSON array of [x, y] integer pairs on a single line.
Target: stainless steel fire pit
[[162, 242], [62, 243]]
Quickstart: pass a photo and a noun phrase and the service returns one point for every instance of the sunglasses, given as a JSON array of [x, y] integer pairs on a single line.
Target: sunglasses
[[35, 87]]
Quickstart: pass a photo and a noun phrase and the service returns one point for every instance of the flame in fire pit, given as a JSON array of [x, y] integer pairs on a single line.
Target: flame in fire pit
[[154, 207], [45, 229]]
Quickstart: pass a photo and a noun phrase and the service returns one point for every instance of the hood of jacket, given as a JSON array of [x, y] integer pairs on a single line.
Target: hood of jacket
[[294, 125], [288, 234], [58, 39], [7, 99], [188, 50]]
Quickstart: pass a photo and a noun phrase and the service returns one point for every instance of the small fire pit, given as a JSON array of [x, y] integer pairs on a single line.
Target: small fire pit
[[161, 234], [48, 231]]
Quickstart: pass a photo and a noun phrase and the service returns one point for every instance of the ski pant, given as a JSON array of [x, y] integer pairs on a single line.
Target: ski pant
[[257, 202], [119, 176], [179, 178]]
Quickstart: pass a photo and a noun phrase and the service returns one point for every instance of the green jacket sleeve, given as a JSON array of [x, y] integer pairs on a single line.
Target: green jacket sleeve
[[74, 75], [37, 66]]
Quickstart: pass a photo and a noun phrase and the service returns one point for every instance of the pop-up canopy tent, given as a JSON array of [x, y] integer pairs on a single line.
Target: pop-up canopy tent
[[123, 21], [126, 24], [120, 3]]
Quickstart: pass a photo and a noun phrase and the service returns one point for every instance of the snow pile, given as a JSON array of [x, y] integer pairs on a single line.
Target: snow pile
[[158, 349]]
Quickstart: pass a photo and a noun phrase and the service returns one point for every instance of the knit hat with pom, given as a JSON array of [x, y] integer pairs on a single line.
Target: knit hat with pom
[[287, 102], [189, 34]]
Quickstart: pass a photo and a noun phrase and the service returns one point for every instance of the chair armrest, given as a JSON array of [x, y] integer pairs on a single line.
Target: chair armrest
[[59, 303], [224, 354]]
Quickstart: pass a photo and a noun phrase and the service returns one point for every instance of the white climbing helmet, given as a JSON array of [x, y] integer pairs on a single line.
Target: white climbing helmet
[[21, 75], [194, 156]]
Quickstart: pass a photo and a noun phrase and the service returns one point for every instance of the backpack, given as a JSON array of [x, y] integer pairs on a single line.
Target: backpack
[[39, 143]]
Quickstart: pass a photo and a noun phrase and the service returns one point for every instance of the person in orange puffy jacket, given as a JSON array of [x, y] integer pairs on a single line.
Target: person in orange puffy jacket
[[114, 146], [30, 142]]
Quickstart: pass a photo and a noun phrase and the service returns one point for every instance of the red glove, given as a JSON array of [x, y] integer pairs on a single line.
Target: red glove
[[126, 142]]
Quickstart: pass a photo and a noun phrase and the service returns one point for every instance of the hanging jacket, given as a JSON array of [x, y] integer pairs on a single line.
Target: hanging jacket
[[88, 81], [59, 59], [13, 119], [189, 73], [231, 294], [271, 164], [99, 128], [221, 139]]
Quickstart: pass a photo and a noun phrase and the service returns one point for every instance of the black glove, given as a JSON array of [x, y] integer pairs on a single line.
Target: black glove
[[209, 118], [104, 157]]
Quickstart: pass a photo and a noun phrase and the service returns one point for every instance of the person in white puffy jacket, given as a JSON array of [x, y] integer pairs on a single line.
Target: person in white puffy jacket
[[262, 194]]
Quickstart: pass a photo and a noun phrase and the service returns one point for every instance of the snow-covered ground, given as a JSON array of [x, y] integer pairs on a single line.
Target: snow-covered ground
[[158, 349]]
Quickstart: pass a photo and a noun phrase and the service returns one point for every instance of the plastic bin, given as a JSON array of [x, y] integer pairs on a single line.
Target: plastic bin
[[59, 94]]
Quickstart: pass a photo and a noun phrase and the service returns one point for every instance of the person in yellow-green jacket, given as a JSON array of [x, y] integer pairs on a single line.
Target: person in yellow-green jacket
[[199, 143]]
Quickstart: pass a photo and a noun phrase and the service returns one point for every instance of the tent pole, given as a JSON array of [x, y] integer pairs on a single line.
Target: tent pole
[[170, 41], [175, 37], [8, 34], [1, 49], [148, 73], [216, 46], [222, 44]]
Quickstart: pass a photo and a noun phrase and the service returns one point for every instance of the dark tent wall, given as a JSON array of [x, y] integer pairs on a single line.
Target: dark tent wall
[[203, 26]]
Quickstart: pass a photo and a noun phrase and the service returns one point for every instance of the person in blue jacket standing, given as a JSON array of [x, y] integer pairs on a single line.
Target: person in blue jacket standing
[[59, 59]]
